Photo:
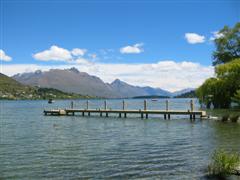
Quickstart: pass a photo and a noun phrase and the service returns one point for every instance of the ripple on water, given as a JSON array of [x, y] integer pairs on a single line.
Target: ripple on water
[[33, 146]]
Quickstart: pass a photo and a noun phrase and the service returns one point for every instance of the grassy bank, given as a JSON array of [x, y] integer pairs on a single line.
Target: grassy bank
[[224, 164]]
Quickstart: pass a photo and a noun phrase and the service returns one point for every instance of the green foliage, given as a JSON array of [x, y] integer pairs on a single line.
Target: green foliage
[[221, 90], [236, 97], [227, 45], [50, 93], [223, 163]]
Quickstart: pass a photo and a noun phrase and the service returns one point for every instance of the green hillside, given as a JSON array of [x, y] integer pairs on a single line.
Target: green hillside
[[11, 89], [191, 94]]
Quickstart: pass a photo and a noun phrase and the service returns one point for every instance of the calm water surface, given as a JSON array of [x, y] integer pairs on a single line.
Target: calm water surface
[[33, 146]]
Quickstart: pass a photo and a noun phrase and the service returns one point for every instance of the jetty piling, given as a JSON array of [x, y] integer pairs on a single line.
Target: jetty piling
[[87, 103], [105, 105]]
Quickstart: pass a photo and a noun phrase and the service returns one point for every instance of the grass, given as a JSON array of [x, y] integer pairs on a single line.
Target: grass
[[224, 163]]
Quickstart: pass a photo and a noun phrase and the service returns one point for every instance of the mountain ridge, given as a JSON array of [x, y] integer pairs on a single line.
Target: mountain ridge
[[73, 81]]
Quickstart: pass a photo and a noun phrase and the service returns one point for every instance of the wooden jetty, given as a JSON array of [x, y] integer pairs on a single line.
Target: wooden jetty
[[123, 112]]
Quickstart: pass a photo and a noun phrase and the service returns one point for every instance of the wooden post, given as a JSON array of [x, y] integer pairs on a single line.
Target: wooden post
[[142, 115], [125, 115], [101, 114], [168, 116], [146, 115], [88, 113], [120, 115], [87, 104], [82, 113], [71, 104], [106, 114], [123, 105], [105, 104], [191, 105], [165, 116], [167, 105], [145, 105]]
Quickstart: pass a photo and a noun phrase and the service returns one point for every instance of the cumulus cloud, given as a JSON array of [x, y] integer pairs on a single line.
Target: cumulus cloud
[[4, 56], [168, 74], [194, 38], [135, 49], [78, 52], [55, 53], [216, 35]]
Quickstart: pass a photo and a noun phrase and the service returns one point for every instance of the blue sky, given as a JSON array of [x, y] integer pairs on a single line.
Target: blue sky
[[157, 28]]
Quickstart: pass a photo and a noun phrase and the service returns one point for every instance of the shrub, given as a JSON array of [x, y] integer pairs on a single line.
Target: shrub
[[223, 163]]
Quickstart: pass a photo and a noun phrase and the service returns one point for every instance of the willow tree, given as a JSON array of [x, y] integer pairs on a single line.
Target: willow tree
[[227, 45], [220, 90], [236, 97]]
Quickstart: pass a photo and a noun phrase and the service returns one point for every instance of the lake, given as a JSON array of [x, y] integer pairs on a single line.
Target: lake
[[34, 146]]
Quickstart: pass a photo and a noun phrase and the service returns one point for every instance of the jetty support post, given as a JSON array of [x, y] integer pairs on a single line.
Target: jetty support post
[[145, 105], [167, 105], [105, 105], [192, 116], [123, 105], [191, 105], [167, 108], [87, 104], [71, 104]]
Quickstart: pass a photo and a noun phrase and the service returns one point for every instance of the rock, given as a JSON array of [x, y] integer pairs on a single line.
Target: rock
[[236, 171], [238, 121]]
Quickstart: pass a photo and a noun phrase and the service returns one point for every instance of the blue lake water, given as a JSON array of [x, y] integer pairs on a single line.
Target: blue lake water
[[34, 146]]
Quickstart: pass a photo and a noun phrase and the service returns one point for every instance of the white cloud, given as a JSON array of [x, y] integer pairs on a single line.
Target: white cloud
[[135, 49], [4, 56], [78, 52], [216, 35], [194, 38], [169, 75], [82, 61], [92, 56], [55, 53]]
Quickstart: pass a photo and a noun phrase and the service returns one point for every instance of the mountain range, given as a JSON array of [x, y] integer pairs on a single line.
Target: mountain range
[[73, 81]]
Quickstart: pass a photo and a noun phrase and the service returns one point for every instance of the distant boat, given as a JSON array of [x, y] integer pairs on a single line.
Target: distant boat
[[154, 100], [50, 101]]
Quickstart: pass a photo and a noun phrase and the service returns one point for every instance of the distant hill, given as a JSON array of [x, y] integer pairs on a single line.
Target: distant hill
[[73, 81], [150, 97], [128, 90], [190, 94], [183, 91], [11, 89]]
